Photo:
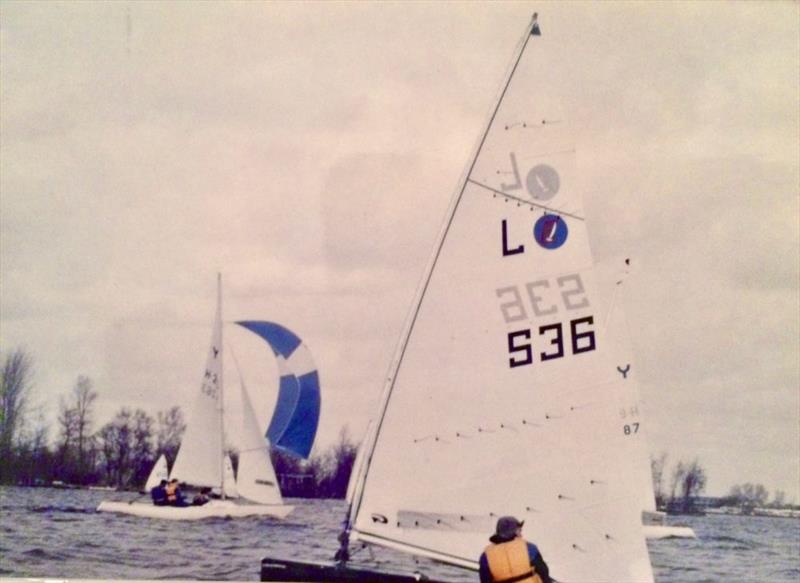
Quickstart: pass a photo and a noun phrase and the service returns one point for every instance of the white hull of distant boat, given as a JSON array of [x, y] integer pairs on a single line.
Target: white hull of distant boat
[[658, 531], [656, 527], [213, 509]]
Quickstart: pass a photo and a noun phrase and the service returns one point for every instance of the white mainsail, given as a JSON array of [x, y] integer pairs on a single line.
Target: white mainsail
[[504, 395], [200, 458]]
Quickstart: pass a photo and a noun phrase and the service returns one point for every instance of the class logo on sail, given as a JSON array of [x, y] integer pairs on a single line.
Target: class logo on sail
[[550, 231]]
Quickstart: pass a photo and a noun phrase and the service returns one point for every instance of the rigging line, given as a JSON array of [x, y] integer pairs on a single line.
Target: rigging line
[[221, 386], [241, 379], [454, 206], [523, 201]]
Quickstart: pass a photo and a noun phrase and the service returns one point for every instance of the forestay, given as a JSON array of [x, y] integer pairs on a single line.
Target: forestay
[[505, 393]]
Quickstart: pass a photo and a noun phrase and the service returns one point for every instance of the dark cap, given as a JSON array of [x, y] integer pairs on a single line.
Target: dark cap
[[507, 526]]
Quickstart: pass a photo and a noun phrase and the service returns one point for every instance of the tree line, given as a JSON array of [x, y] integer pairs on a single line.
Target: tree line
[[750, 496], [122, 452], [679, 491]]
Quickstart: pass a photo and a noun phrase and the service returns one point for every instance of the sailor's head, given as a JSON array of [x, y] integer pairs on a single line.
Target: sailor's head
[[163, 482], [508, 527], [173, 481]]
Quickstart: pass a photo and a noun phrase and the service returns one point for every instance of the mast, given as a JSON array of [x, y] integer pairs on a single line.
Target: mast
[[221, 391], [532, 29]]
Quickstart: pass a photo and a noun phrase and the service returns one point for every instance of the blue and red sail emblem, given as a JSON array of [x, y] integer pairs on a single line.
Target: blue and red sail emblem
[[550, 231]]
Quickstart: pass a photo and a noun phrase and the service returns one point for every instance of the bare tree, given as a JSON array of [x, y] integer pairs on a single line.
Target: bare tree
[[338, 465], [693, 484], [657, 466], [32, 458], [748, 496], [778, 499], [15, 383], [677, 477], [84, 397], [169, 433], [126, 447], [114, 438], [67, 425], [141, 447], [760, 495]]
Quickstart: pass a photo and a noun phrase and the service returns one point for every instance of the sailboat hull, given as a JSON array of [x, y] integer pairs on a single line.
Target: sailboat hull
[[285, 571], [214, 509], [657, 531], [655, 527]]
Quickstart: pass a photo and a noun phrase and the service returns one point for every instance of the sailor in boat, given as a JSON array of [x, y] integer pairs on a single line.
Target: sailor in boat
[[510, 558], [159, 494], [201, 497], [174, 494]]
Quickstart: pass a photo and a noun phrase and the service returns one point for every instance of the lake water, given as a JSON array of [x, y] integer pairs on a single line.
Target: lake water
[[57, 533]]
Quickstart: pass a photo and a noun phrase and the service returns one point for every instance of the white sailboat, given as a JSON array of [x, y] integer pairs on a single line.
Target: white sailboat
[[203, 462], [506, 391]]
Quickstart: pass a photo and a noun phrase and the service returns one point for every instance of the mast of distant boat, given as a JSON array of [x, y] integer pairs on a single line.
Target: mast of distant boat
[[221, 391]]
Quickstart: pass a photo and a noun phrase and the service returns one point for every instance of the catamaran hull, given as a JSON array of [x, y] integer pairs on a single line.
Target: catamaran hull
[[214, 509], [285, 571]]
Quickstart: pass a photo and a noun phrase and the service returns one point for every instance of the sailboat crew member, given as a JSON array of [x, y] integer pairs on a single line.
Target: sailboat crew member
[[510, 558], [174, 494], [159, 494]]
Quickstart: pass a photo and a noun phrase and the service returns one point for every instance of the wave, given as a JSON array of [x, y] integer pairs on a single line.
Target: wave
[[732, 543], [45, 554], [65, 509]]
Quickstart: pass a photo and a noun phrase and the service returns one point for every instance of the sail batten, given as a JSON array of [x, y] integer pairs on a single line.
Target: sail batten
[[418, 550], [523, 201], [504, 396]]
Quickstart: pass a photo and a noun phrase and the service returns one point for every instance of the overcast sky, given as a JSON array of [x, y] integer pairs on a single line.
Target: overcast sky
[[308, 151]]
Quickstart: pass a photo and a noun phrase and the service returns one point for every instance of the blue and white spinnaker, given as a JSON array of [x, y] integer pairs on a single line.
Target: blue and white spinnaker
[[294, 422]]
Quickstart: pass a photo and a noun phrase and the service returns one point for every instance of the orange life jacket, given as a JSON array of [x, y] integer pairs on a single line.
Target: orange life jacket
[[509, 562]]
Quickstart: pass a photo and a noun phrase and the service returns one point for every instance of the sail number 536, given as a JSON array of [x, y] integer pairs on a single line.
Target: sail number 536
[[550, 342]]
